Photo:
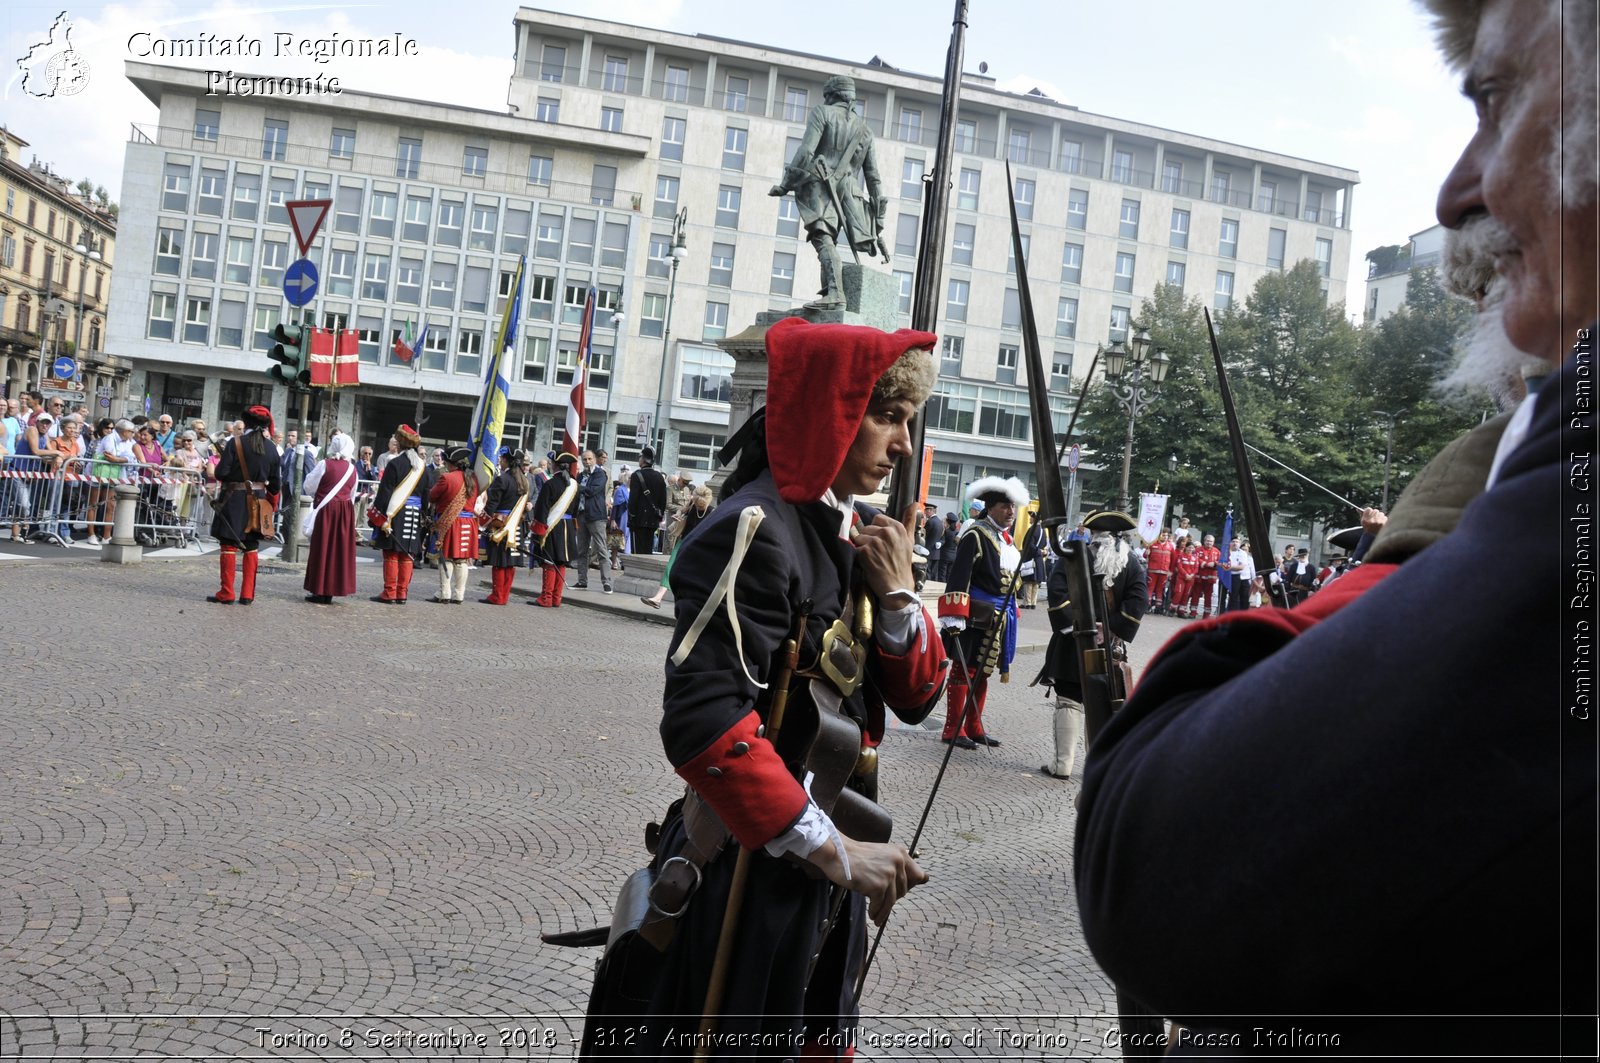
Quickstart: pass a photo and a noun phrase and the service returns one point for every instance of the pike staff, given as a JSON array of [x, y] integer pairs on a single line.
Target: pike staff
[[1255, 519]]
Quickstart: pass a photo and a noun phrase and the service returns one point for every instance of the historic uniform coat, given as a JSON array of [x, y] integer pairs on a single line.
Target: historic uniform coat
[[401, 535], [1128, 600], [1454, 780], [505, 513], [458, 535], [404, 533], [980, 590], [230, 523], [230, 514], [773, 556], [553, 535]]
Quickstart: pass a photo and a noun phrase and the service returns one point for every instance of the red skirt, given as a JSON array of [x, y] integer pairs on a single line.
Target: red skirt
[[331, 562]]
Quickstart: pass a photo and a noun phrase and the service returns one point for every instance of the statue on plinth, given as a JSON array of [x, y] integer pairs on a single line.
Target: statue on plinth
[[837, 147]]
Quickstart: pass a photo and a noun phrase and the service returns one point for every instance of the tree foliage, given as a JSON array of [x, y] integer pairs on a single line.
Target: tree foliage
[[1311, 390], [1184, 420], [1405, 354]]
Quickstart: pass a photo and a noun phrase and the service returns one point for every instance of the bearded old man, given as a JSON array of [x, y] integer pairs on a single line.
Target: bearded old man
[[1372, 817]]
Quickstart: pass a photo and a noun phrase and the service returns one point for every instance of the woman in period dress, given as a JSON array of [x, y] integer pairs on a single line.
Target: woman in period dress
[[331, 563]]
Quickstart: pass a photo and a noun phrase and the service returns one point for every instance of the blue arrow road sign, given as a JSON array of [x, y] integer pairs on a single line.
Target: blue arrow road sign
[[300, 282], [64, 368]]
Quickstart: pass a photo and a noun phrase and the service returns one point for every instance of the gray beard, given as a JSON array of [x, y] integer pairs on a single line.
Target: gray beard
[[1487, 363]]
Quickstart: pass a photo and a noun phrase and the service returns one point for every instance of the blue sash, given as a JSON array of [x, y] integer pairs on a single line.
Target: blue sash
[[1008, 646]]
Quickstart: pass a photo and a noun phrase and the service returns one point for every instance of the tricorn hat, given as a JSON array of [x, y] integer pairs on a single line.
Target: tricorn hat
[[1109, 520], [1345, 538], [566, 457], [460, 457]]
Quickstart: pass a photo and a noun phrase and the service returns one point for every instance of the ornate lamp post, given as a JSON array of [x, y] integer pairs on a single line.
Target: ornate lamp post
[[1135, 378], [680, 251]]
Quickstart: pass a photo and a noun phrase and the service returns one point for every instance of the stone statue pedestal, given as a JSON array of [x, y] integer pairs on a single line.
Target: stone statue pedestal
[[870, 298]]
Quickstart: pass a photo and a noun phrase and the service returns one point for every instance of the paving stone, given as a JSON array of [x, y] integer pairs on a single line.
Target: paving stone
[[374, 812]]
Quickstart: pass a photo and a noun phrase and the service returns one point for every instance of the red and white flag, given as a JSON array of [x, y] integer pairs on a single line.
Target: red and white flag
[[572, 431]]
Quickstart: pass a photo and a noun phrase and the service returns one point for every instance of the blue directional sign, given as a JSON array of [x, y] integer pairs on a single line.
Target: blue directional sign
[[64, 368], [300, 282]]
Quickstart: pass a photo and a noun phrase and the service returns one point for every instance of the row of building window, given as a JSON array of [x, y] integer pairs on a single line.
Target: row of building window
[[910, 127], [705, 374]]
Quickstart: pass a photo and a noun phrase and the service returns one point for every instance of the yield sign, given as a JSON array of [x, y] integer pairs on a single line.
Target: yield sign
[[306, 217]]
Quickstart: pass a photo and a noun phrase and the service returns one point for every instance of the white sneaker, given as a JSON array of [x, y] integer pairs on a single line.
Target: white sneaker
[[94, 540]]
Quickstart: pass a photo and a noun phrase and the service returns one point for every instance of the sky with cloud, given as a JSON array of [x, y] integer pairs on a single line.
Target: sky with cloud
[[1356, 85]]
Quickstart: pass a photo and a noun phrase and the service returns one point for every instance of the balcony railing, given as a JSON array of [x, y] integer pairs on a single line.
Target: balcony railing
[[1179, 187], [1123, 175], [1086, 165], [1028, 156], [678, 92], [609, 82], [380, 166]]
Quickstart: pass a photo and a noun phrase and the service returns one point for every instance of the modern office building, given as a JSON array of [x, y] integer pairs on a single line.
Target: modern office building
[[1387, 281], [611, 133], [56, 249]]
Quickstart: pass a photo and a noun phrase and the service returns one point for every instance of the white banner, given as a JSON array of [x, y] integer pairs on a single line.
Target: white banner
[[1152, 508]]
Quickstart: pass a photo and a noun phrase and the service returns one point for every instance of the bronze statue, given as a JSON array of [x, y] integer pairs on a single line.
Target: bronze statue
[[822, 175]]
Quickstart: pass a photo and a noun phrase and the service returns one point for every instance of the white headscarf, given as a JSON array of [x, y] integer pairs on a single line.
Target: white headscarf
[[340, 446]]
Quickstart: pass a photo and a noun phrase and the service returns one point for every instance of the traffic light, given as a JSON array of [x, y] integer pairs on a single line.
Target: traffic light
[[289, 350]]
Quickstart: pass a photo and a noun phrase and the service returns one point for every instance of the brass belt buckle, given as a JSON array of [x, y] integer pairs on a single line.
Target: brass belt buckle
[[842, 659]]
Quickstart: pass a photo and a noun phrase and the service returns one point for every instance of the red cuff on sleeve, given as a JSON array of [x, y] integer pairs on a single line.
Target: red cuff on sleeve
[[955, 604], [745, 782], [541, 530], [912, 677]]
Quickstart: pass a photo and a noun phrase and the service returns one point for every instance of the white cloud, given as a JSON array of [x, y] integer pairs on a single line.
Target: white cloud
[[83, 135]]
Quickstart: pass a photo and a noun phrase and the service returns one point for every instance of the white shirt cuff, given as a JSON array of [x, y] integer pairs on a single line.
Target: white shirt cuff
[[897, 628], [810, 832]]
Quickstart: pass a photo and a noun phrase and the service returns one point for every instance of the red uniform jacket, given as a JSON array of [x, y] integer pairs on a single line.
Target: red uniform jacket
[[459, 541]]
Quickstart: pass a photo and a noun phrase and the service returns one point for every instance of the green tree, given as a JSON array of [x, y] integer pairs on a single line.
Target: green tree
[[1402, 357], [1291, 360], [1184, 420]]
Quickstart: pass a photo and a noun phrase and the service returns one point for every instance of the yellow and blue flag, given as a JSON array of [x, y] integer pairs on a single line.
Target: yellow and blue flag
[[489, 419]]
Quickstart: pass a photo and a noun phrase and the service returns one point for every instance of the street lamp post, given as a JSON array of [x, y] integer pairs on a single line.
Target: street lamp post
[[87, 250], [619, 319], [1135, 378], [55, 310], [680, 251], [1388, 452]]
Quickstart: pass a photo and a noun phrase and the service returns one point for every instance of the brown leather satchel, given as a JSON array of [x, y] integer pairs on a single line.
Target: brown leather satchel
[[258, 508]]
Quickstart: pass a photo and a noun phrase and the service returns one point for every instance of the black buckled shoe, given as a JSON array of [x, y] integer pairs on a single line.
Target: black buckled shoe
[[960, 742]]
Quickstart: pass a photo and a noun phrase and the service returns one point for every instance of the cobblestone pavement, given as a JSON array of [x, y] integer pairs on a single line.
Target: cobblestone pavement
[[320, 822]]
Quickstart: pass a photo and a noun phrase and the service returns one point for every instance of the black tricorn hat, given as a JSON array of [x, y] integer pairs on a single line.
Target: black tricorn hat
[[1109, 520], [1345, 538]]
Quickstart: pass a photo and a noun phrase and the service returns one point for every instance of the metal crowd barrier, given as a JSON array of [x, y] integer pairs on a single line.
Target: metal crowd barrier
[[47, 499]]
